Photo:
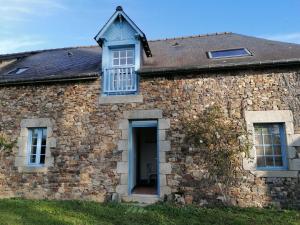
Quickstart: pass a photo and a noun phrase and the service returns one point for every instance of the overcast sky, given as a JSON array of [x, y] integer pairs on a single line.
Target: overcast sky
[[42, 24]]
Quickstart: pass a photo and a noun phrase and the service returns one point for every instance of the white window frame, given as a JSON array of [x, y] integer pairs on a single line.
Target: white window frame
[[113, 50], [38, 147], [210, 55]]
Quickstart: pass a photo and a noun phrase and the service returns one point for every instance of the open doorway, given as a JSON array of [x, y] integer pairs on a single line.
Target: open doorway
[[143, 163]]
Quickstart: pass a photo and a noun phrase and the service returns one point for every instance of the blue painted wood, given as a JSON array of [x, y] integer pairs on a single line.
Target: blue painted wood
[[144, 123], [136, 124]]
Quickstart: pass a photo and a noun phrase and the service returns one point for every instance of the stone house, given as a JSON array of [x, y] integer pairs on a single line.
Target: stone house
[[105, 121]]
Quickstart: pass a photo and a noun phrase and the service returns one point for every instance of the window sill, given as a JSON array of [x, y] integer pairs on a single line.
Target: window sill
[[32, 169], [120, 99], [277, 173]]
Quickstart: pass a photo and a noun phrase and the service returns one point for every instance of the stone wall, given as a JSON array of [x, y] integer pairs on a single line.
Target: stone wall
[[87, 134]]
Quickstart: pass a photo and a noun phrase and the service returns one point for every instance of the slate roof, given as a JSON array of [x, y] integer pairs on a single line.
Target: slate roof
[[169, 55]]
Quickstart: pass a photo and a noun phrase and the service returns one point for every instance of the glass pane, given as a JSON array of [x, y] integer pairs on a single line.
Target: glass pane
[[33, 149], [123, 53], [259, 150], [265, 130], [123, 61], [261, 161], [116, 62], [276, 139], [268, 150], [34, 141], [258, 140], [116, 54], [229, 53], [277, 150], [32, 158], [43, 150], [44, 136], [278, 161], [269, 161], [130, 61], [267, 139], [129, 53], [34, 133], [42, 159], [276, 129]]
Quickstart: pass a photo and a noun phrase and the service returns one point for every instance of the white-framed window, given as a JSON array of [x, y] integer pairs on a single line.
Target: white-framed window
[[37, 141], [270, 146], [121, 78], [123, 57]]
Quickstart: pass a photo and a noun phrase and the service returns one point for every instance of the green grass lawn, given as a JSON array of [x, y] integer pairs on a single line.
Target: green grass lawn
[[19, 211]]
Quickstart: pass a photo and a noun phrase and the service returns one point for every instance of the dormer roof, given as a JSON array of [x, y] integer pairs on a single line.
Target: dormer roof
[[119, 13]]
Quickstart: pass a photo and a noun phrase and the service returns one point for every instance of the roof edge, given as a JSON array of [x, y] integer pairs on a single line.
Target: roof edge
[[50, 79], [233, 66]]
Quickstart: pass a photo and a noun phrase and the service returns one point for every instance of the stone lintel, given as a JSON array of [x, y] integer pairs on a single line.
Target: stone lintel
[[119, 99]]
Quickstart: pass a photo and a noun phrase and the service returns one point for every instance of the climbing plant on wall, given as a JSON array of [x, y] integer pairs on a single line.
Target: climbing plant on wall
[[5, 143], [220, 141]]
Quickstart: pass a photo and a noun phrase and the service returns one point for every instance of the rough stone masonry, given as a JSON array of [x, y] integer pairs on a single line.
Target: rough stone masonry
[[86, 133]]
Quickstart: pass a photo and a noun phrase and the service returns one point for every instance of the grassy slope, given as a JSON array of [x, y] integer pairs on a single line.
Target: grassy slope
[[19, 211]]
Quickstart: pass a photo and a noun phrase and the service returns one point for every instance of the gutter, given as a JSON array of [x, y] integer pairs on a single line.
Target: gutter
[[81, 77], [233, 66]]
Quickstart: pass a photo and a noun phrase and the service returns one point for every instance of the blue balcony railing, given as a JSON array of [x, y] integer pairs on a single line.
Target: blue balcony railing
[[119, 81]]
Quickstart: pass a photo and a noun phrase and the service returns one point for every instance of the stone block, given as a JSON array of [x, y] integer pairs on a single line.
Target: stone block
[[164, 146], [294, 164], [123, 124], [165, 168], [143, 114], [122, 167], [122, 189], [124, 179], [162, 157], [120, 99], [123, 145], [163, 124], [125, 156], [162, 135]]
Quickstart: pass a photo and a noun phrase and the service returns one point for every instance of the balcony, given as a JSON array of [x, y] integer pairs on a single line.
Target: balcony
[[119, 81]]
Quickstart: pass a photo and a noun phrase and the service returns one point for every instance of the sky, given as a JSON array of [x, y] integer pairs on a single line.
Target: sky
[[27, 25]]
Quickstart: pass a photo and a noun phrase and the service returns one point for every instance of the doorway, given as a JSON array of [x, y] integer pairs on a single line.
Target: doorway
[[143, 162]]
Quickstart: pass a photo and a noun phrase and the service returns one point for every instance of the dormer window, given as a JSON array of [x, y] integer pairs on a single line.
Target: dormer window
[[122, 43]]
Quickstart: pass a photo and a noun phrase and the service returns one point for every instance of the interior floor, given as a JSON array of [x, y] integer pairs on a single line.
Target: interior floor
[[145, 190]]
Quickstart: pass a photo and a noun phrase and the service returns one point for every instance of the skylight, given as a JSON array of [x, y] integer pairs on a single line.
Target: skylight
[[18, 70], [228, 53]]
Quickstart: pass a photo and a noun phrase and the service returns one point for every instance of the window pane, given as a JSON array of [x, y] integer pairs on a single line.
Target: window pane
[[229, 53], [267, 139], [33, 149], [116, 62], [32, 158], [34, 141], [278, 161], [261, 161], [116, 54], [276, 129], [44, 136], [269, 161], [123, 53], [123, 61], [258, 140], [265, 130], [259, 150], [268, 150], [277, 150], [130, 53], [43, 150], [42, 159], [276, 139], [130, 61]]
